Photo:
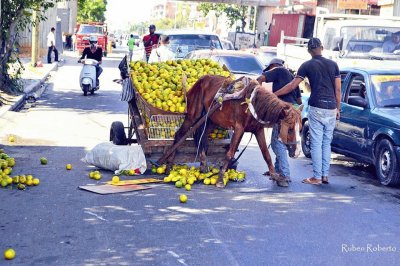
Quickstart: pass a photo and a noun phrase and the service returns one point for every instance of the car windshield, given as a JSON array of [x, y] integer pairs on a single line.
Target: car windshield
[[265, 57], [367, 42], [240, 64], [185, 43], [90, 29], [386, 90]]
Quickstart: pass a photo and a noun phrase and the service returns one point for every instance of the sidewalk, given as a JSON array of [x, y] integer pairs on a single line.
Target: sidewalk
[[31, 79]]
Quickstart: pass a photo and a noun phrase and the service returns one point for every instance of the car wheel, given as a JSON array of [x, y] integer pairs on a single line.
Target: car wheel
[[386, 164], [117, 133], [306, 140]]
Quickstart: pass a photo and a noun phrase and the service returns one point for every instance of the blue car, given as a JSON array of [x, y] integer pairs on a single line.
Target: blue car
[[369, 125]]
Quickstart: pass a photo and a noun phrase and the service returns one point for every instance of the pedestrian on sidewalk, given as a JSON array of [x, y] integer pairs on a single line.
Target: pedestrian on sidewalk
[[131, 46], [276, 73], [150, 41], [324, 77], [51, 45], [162, 53]]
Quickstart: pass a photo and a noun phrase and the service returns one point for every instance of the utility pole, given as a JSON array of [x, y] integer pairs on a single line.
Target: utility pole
[[396, 8], [35, 39]]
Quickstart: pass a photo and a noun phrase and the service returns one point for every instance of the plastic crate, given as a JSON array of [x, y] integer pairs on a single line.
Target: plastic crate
[[163, 127]]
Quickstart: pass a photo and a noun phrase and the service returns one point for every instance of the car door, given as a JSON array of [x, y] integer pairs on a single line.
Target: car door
[[352, 126], [337, 134]]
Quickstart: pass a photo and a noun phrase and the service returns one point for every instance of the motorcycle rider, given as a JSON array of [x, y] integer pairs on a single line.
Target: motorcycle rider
[[94, 52]]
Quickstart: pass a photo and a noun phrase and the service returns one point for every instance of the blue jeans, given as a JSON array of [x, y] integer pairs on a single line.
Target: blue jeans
[[322, 123], [130, 55], [280, 150], [99, 70], [49, 50]]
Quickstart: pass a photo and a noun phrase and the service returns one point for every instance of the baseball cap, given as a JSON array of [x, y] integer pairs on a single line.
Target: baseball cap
[[314, 43], [276, 61], [152, 26]]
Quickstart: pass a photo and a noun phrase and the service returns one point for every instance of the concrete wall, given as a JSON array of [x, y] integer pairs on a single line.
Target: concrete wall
[[25, 37], [72, 5], [263, 20]]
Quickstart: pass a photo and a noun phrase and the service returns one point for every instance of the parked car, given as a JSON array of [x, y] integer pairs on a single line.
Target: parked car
[[264, 54], [238, 62], [369, 125], [183, 42], [227, 45]]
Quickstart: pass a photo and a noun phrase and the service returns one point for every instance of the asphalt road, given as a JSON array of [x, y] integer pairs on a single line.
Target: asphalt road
[[352, 221]]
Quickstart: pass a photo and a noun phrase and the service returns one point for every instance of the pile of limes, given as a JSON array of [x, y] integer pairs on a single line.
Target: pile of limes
[[183, 176], [96, 175], [19, 181]]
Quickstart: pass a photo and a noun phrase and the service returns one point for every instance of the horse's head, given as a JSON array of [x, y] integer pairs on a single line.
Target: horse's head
[[290, 128]]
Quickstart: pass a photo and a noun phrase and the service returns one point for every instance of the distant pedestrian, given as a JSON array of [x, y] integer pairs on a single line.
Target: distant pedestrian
[[73, 42], [162, 53], [150, 41], [64, 40], [131, 46], [51, 45], [324, 102]]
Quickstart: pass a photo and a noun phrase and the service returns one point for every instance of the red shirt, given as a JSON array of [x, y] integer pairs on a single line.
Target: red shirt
[[150, 41]]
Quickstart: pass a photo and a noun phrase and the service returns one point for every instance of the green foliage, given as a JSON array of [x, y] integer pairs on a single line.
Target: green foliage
[[91, 10], [16, 15], [233, 12], [164, 24], [206, 8]]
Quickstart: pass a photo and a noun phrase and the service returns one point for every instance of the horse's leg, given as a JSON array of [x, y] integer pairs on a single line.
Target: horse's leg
[[235, 141], [187, 123], [204, 147], [260, 136]]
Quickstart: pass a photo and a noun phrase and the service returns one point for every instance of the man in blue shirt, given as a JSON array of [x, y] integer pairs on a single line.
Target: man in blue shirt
[[392, 44], [324, 77], [280, 76]]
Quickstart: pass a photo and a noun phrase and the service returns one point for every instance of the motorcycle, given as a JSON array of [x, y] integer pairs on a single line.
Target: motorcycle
[[87, 78]]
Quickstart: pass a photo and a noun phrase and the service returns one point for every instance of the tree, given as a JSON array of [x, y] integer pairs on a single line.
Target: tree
[[16, 15], [218, 10], [232, 12], [91, 10], [235, 13]]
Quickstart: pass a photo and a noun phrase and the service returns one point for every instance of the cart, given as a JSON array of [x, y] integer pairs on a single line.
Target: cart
[[144, 128]]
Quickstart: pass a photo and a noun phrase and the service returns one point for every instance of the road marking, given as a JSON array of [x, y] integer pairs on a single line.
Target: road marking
[[182, 261], [97, 216]]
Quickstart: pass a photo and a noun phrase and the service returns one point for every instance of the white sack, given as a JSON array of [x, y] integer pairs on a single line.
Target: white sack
[[117, 158]]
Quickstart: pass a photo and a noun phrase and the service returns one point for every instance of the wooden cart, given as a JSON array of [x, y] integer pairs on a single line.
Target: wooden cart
[[138, 131]]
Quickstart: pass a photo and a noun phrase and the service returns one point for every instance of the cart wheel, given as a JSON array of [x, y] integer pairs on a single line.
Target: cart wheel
[[117, 133]]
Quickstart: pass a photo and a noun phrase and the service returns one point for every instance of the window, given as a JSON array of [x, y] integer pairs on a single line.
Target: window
[[356, 87], [90, 29]]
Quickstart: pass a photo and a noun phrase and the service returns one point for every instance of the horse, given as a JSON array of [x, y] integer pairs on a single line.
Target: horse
[[266, 109]]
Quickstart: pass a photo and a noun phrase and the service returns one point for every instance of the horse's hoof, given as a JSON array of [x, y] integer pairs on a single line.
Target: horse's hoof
[[220, 184], [282, 183], [275, 176]]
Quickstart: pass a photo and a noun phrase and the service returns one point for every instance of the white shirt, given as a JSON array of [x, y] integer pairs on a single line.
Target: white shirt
[[161, 54], [51, 38]]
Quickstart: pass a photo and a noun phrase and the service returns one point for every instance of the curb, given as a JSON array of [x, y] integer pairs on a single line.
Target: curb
[[28, 90]]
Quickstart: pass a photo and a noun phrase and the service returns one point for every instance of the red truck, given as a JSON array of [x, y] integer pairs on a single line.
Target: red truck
[[85, 30]]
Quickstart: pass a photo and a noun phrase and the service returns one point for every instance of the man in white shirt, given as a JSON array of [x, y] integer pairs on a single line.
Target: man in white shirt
[[162, 53], [51, 45]]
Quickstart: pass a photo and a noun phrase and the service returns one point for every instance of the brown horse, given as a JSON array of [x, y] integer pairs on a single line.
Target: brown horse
[[235, 115]]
